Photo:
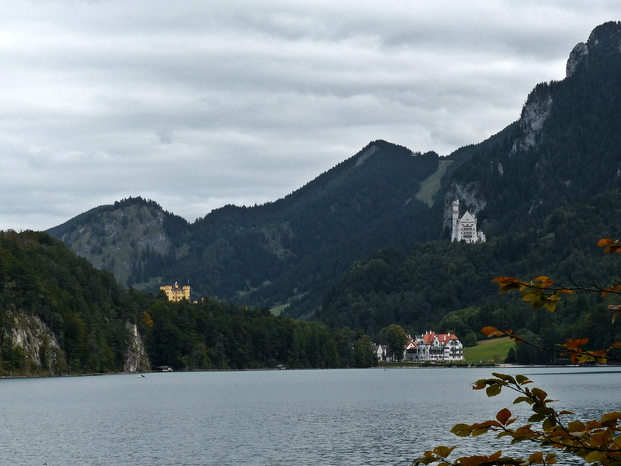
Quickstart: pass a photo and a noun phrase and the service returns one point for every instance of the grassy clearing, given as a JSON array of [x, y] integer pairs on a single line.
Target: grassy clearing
[[493, 350], [430, 186], [277, 310]]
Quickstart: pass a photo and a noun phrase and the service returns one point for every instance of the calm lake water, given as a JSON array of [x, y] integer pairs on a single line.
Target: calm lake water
[[366, 416]]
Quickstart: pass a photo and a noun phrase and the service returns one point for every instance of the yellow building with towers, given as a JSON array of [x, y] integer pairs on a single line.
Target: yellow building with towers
[[176, 294]]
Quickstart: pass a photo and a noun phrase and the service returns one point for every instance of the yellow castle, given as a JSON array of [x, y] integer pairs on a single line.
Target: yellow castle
[[176, 294]]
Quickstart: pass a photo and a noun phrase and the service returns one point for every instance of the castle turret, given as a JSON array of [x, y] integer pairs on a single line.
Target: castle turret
[[455, 228]]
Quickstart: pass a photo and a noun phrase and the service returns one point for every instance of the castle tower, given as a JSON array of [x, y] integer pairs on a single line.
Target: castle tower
[[455, 227]]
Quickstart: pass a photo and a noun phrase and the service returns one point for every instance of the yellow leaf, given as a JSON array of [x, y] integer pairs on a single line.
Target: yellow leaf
[[522, 379], [576, 426], [612, 416], [443, 451]]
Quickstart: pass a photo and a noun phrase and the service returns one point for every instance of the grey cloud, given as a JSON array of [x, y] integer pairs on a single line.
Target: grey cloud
[[249, 101]]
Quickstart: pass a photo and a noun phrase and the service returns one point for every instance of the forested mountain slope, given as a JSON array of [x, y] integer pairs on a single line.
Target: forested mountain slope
[[59, 315], [283, 253], [564, 149], [418, 290]]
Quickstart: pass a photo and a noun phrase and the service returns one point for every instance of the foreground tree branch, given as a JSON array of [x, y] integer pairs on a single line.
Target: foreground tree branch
[[596, 441]]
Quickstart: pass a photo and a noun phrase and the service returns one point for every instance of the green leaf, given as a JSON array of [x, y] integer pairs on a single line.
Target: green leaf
[[537, 417], [461, 430], [505, 377], [548, 423], [493, 389], [479, 431], [539, 393], [522, 379], [523, 399]]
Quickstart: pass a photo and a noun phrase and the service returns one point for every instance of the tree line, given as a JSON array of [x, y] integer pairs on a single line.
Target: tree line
[[85, 311]]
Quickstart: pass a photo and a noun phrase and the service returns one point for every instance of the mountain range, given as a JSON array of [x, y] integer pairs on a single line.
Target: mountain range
[[287, 255]]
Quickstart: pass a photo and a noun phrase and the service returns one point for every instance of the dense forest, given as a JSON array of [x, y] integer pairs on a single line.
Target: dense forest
[[544, 190], [449, 286], [283, 254], [59, 315]]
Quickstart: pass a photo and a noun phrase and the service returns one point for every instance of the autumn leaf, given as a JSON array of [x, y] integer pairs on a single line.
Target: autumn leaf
[[575, 344], [609, 245], [492, 331], [503, 416], [543, 281], [611, 289]]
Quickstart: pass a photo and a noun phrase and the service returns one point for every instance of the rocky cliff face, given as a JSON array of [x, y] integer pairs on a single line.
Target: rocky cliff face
[[604, 44], [137, 359], [38, 349], [577, 56], [28, 334], [534, 114], [113, 238], [469, 199]]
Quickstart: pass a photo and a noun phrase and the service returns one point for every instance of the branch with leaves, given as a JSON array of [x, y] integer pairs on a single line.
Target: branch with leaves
[[596, 441], [541, 291], [574, 348]]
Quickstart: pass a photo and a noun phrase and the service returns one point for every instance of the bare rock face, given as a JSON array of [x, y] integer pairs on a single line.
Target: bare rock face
[[38, 343], [576, 57], [601, 49], [137, 359], [468, 197], [534, 114]]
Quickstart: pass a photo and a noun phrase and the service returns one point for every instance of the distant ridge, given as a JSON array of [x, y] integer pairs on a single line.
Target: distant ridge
[[286, 255]]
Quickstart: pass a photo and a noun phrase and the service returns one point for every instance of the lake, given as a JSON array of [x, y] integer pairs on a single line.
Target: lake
[[332, 417]]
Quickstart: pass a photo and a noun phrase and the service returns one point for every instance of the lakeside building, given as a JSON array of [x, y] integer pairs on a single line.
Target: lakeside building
[[465, 228], [428, 347], [176, 294], [434, 347]]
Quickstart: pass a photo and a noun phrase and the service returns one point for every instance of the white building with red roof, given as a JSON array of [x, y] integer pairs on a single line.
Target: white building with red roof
[[434, 347]]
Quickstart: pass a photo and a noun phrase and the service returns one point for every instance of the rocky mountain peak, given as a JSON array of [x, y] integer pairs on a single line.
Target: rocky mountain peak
[[604, 43], [576, 57]]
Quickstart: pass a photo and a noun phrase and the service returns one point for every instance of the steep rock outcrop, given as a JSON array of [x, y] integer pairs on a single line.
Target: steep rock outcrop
[[42, 354], [534, 114], [136, 359]]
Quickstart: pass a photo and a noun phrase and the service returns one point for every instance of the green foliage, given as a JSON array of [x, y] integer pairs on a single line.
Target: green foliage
[[84, 308], [395, 337], [494, 351], [448, 285], [219, 335], [86, 312], [283, 253], [596, 441]]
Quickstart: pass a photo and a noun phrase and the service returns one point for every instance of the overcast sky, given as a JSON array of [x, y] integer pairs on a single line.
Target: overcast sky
[[198, 104]]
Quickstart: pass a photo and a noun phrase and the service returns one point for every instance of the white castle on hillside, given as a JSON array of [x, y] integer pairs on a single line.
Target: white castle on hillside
[[465, 229]]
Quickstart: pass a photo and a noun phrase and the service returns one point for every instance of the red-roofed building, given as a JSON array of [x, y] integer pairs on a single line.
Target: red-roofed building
[[434, 347]]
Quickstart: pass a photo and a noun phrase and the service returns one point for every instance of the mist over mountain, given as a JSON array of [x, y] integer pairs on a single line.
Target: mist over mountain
[[286, 255]]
